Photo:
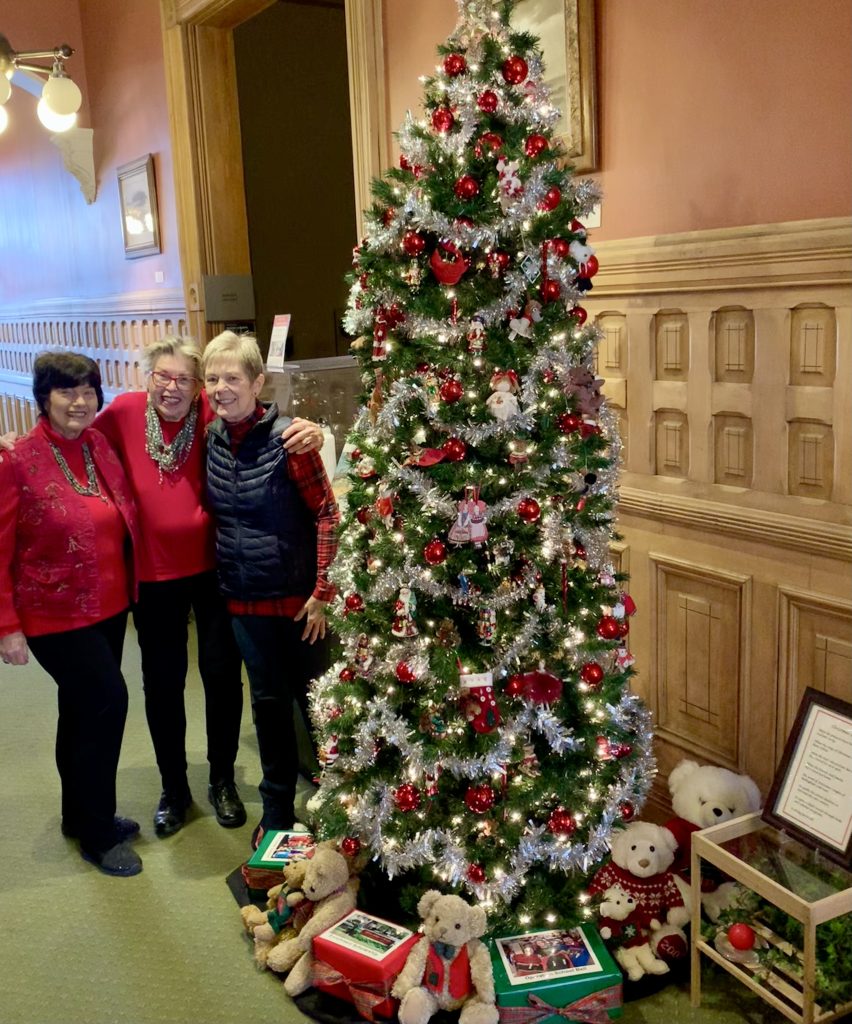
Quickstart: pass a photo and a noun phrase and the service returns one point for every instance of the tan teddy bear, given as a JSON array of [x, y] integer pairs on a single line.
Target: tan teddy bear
[[284, 912], [449, 968]]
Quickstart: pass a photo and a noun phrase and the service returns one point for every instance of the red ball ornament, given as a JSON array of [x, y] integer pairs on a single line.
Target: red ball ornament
[[626, 810], [488, 142], [608, 628], [560, 247], [590, 267], [479, 799], [568, 423], [407, 797], [405, 673], [347, 675], [476, 874], [514, 70], [467, 187], [579, 551], [487, 102], [443, 119], [364, 514], [592, 674], [412, 243], [741, 936], [550, 290], [561, 823], [455, 64], [534, 145], [435, 552], [454, 449], [551, 199], [529, 510], [451, 391], [350, 846], [578, 315], [623, 627], [515, 686], [353, 603], [589, 429]]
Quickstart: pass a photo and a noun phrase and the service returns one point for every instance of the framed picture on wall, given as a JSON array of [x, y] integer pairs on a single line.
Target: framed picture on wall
[[137, 198], [566, 29]]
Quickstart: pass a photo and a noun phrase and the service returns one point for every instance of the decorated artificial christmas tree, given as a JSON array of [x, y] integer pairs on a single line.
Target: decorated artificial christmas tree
[[478, 729]]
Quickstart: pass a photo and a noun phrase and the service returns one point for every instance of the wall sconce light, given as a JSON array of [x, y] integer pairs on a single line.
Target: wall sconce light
[[60, 97]]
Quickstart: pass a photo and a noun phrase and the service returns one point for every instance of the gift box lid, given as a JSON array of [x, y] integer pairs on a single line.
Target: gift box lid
[[277, 849], [562, 964], [372, 937]]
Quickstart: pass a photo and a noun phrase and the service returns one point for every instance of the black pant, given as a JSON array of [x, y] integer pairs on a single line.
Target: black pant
[[92, 698], [280, 666], [161, 617]]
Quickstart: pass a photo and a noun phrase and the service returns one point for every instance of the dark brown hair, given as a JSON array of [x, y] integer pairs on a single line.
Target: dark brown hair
[[64, 370]]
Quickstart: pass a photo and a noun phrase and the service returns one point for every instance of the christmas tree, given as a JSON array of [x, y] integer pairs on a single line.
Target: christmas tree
[[478, 730]]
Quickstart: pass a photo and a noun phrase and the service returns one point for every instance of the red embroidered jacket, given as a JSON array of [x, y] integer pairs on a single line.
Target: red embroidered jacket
[[49, 547]]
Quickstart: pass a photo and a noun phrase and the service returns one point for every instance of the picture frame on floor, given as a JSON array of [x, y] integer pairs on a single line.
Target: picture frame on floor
[[567, 32], [137, 198]]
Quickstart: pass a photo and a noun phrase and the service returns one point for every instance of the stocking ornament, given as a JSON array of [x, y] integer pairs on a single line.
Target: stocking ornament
[[478, 703]]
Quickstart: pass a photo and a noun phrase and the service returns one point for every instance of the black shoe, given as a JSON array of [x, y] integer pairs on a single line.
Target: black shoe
[[170, 815], [229, 809], [124, 828], [120, 860]]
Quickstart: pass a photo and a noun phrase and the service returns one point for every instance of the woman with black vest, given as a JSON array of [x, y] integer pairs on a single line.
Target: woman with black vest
[[276, 523]]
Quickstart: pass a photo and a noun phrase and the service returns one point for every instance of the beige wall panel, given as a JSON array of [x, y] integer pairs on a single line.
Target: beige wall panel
[[733, 334]]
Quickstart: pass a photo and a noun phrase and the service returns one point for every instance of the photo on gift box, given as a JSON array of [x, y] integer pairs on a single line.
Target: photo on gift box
[[371, 936], [543, 956], [288, 846]]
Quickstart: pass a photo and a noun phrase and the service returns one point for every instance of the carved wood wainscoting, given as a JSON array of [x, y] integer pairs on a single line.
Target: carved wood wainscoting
[[112, 331], [728, 357]]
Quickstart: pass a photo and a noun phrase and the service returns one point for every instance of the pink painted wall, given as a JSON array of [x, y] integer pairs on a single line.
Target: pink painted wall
[[52, 244], [713, 113]]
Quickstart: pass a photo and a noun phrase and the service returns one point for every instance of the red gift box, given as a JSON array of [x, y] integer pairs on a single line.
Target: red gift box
[[359, 958]]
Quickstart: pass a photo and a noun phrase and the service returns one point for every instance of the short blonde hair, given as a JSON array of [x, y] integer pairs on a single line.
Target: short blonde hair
[[172, 345], [243, 347]]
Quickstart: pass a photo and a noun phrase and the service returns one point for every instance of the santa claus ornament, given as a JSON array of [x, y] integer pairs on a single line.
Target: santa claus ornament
[[403, 613], [503, 403]]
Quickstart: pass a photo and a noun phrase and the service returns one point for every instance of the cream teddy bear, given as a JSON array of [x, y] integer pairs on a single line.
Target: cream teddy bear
[[704, 795], [286, 907], [449, 968]]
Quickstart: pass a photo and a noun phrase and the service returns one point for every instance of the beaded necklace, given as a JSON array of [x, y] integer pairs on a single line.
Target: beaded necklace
[[92, 488], [169, 457]]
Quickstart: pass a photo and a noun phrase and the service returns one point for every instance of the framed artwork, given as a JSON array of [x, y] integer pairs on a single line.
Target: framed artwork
[[137, 197], [811, 794], [567, 32]]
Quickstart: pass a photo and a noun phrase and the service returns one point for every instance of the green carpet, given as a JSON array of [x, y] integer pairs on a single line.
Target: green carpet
[[167, 946]]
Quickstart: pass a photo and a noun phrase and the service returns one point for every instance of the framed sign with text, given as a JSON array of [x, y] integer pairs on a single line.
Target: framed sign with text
[[811, 795]]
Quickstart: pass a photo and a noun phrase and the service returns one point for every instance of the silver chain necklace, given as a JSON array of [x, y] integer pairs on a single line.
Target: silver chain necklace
[[92, 488], [169, 457]]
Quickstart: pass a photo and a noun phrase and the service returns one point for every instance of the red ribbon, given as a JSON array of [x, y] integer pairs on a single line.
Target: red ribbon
[[591, 1009], [365, 996]]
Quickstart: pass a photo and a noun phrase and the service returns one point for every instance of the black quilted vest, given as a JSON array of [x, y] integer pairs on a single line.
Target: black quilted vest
[[266, 537]]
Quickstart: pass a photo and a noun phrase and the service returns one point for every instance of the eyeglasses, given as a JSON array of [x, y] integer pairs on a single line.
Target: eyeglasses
[[183, 382]]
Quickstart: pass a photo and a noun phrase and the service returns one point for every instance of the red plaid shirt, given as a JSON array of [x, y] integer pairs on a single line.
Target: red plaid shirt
[[308, 474]]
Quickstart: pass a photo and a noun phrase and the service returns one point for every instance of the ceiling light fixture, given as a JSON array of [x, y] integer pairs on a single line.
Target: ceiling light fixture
[[60, 98]]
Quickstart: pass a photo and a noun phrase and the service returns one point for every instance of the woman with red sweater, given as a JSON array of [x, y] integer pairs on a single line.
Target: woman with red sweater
[[67, 533], [160, 438]]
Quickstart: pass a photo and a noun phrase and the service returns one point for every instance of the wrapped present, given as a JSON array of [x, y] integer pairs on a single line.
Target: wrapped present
[[359, 958], [277, 849], [548, 977]]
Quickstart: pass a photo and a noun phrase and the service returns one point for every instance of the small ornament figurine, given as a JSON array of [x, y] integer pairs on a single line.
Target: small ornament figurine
[[469, 526], [478, 703], [363, 658], [520, 327], [539, 598], [623, 659], [583, 389], [412, 275], [476, 336], [501, 555], [486, 625], [431, 780], [329, 753], [366, 467], [447, 635], [384, 505], [404, 609], [511, 186], [502, 403]]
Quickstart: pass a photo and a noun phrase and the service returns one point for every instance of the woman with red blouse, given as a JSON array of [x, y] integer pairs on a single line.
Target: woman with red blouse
[[68, 532]]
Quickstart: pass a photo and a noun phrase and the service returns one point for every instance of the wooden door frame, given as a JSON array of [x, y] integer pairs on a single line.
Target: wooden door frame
[[204, 122]]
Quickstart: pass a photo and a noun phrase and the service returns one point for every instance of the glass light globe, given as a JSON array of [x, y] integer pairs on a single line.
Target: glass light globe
[[61, 95], [5, 89], [53, 121], [4, 119]]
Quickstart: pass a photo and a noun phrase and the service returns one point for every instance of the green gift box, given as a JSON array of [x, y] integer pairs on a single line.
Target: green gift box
[[541, 975], [275, 851]]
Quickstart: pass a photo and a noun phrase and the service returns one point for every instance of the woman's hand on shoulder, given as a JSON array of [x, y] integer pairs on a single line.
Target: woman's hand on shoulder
[[303, 436], [7, 442], [313, 611], [13, 649]]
